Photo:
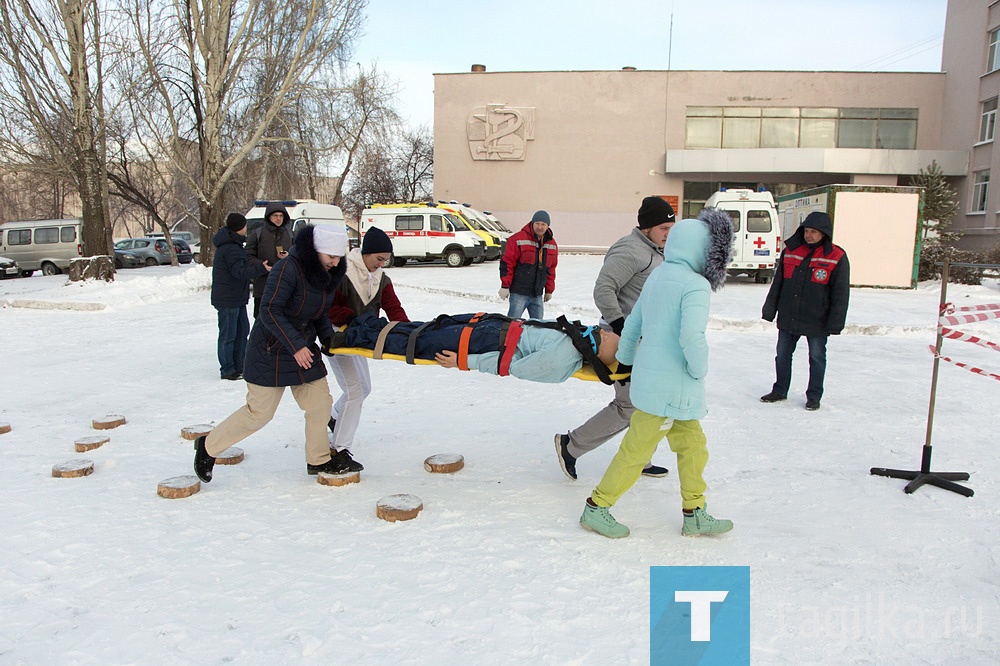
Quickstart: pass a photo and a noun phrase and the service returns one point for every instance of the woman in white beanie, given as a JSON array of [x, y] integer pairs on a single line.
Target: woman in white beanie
[[366, 288], [282, 350]]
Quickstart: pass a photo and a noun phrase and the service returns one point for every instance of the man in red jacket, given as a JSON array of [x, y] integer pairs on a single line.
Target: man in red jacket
[[528, 268], [809, 295]]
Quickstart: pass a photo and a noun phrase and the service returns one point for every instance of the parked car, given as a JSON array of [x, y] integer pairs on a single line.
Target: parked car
[[183, 250], [9, 268], [126, 259], [186, 236], [45, 245], [154, 250]]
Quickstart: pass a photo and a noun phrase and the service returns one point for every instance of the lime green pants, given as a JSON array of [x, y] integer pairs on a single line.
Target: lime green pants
[[686, 439]]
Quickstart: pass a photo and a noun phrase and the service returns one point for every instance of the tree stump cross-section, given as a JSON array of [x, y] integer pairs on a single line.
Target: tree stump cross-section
[[73, 469], [398, 507], [178, 487], [444, 463], [347, 478], [108, 422], [231, 456], [195, 431], [85, 444]]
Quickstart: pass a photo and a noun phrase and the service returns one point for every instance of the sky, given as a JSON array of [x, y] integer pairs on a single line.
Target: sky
[[265, 566], [412, 41]]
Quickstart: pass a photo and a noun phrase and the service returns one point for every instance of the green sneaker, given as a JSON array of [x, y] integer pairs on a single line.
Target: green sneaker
[[600, 520], [700, 522]]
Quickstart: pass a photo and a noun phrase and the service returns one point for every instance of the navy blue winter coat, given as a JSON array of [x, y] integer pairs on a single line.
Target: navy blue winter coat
[[292, 316], [231, 272]]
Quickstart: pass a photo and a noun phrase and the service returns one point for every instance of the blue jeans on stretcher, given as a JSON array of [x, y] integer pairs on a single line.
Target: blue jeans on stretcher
[[783, 363]]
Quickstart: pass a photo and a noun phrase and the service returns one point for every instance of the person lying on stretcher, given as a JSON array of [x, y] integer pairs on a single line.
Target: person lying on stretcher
[[535, 350]]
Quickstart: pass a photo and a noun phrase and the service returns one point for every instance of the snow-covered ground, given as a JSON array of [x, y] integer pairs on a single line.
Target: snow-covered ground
[[264, 565]]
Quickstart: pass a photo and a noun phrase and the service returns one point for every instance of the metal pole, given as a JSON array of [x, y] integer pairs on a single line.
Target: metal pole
[[925, 462]]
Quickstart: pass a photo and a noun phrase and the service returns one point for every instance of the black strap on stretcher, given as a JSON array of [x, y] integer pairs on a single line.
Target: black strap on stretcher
[[583, 346]]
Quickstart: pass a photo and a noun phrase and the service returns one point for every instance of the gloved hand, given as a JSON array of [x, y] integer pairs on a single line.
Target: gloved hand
[[617, 325], [504, 293], [326, 346], [622, 370], [547, 297]]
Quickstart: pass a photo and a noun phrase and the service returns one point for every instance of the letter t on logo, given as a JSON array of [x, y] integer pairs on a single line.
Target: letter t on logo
[[701, 610]]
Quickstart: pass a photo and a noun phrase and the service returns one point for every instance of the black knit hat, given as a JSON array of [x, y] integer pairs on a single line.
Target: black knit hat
[[235, 222], [654, 211], [376, 242]]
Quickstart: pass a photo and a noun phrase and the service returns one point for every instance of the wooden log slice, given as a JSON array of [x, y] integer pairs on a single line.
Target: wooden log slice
[[85, 444], [108, 422], [73, 469], [338, 479], [178, 487], [398, 507], [195, 431], [231, 456], [444, 463], [4, 428]]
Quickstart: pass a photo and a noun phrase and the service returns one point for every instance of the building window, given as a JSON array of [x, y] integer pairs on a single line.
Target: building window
[[980, 191], [993, 59], [989, 122], [795, 127]]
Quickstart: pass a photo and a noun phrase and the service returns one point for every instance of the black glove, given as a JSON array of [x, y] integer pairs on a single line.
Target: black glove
[[326, 345], [617, 325], [622, 370]]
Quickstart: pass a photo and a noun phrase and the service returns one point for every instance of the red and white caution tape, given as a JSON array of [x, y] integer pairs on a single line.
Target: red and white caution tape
[[978, 371], [984, 313], [952, 334]]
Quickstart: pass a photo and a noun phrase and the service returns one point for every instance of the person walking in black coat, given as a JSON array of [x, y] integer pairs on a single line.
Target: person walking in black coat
[[231, 275], [810, 293], [283, 352], [268, 243]]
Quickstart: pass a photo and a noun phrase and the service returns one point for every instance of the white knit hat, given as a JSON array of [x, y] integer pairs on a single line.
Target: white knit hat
[[330, 239]]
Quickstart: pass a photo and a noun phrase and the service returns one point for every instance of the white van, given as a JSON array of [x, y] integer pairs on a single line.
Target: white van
[[423, 232], [45, 245], [301, 212], [755, 227]]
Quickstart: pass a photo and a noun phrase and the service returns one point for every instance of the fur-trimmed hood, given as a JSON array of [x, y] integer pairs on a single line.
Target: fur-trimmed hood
[[305, 252], [704, 244]]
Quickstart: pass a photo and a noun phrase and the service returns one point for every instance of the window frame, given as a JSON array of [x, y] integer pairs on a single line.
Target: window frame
[[988, 121], [980, 191], [993, 55]]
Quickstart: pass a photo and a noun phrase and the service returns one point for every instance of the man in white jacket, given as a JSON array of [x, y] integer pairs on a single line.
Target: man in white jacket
[[627, 264]]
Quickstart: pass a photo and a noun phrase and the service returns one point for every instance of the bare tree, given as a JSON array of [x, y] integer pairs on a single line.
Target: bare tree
[[219, 73], [364, 118], [399, 170], [52, 101]]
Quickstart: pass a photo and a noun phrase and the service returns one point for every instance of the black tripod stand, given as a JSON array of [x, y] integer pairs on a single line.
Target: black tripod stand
[[924, 474]]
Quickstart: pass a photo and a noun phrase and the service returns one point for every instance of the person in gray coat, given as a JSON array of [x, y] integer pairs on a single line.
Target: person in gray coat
[[627, 264]]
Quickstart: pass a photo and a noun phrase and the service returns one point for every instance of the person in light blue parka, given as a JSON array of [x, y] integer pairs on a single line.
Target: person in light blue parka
[[664, 339]]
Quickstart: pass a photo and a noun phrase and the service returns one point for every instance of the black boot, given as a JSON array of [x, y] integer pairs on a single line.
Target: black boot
[[343, 457], [203, 463]]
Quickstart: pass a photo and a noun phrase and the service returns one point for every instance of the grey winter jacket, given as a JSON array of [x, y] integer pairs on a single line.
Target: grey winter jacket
[[627, 264]]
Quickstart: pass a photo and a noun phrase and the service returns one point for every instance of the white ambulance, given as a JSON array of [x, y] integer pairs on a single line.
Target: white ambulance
[[423, 232], [756, 229]]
